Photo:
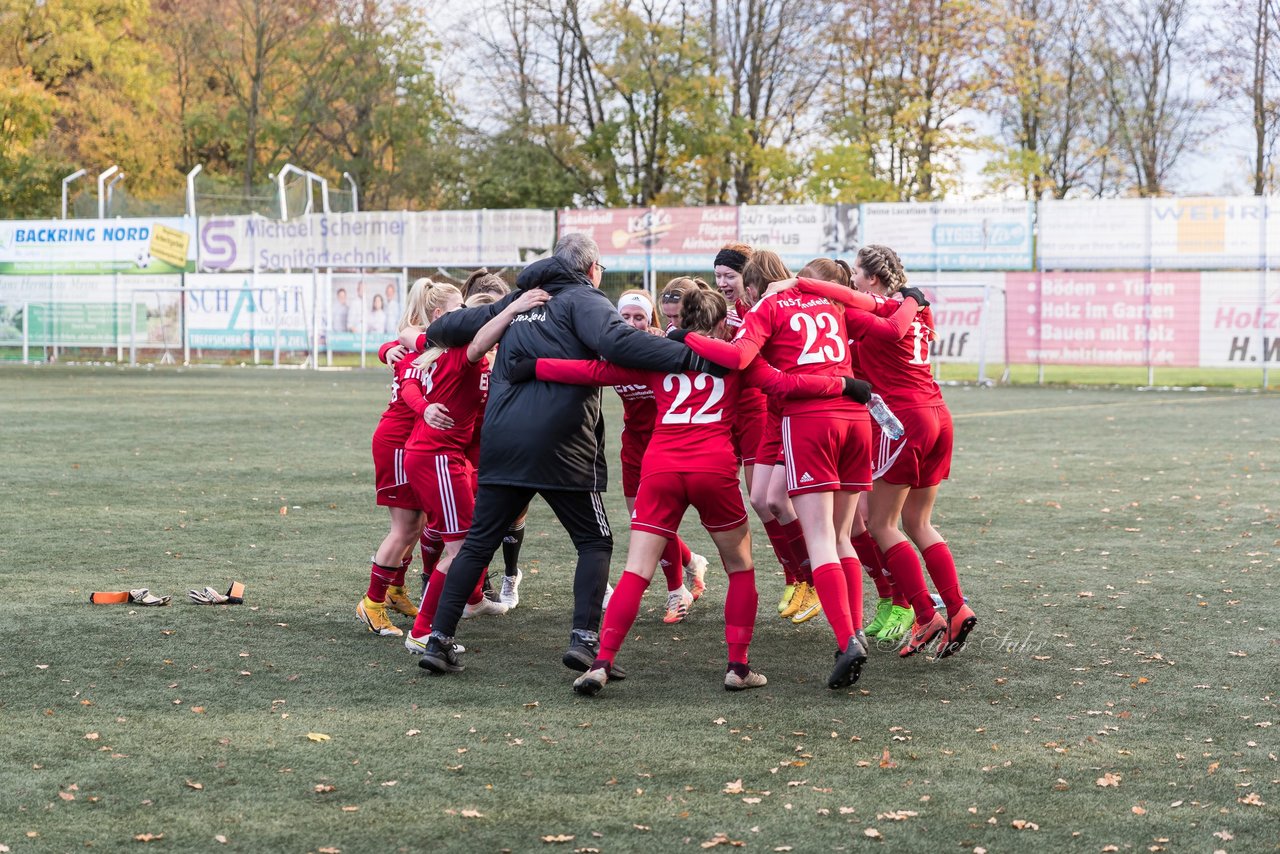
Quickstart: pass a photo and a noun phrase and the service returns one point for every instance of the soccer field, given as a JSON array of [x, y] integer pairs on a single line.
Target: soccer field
[[1119, 692]]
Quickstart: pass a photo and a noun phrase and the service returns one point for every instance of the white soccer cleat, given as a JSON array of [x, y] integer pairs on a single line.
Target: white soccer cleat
[[486, 607], [695, 575], [510, 595]]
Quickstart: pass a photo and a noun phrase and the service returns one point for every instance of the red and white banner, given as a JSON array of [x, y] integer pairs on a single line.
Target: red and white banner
[[1104, 318], [657, 238]]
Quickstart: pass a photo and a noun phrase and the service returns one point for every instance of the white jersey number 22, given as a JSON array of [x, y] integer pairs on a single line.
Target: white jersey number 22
[[704, 415]]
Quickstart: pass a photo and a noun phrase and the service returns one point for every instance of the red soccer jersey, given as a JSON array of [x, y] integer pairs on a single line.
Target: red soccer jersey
[[797, 334], [899, 369], [695, 411], [638, 410], [473, 447], [398, 418], [737, 312], [451, 380]]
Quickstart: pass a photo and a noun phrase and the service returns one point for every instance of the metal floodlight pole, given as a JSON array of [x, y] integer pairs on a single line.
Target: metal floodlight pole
[[191, 189], [79, 173], [119, 176], [280, 176], [355, 192], [102, 180]]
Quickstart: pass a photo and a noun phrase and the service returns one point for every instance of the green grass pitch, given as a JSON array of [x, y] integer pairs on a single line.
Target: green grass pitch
[[1119, 693]]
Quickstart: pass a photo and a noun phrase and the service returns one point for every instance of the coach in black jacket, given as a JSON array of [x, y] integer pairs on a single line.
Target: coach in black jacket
[[546, 438]]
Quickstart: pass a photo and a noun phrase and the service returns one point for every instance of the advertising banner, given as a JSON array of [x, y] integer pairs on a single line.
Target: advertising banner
[[515, 236], [246, 311], [798, 233], [952, 236], [70, 246], [375, 239], [1164, 234], [88, 311], [238, 243], [243, 311], [667, 239], [968, 317], [1104, 318], [362, 312], [1239, 320]]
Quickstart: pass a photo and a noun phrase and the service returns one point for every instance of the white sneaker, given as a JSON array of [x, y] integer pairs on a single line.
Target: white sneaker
[[417, 645], [510, 595], [484, 608], [608, 594], [695, 575], [678, 602]]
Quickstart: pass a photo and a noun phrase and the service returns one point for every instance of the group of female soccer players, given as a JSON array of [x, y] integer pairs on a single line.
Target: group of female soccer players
[[804, 354]]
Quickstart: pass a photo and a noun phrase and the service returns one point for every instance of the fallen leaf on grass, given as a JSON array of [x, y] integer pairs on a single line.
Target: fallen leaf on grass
[[192, 784], [323, 787], [471, 814], [733, 787], [413, 732], [149, 837], [896, 815], [220, 838], [722, 839], [351, 809], [1252, 800], [559, 837], [885, 761], [329, 849], [751, 800], [532, 705], [67, 796], [318, 736], [1224, 835], [390, 782], [1023, 824], [1139, 811], [90, 736], [872, 833], [1108, 779]]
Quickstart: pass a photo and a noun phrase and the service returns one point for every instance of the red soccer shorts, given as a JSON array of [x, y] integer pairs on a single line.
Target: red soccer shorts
[[632, 455], [390, 480], [769, 452], [922, 457], [444, 484], [827, 454], [664, 496]]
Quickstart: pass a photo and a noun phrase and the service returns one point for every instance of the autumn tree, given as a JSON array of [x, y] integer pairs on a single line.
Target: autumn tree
[[1245, 47], [908, 73], [81, 91], [1053, 123], [1146, 67]]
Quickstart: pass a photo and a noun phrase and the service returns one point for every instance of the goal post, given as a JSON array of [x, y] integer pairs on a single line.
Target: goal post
[[969, 318]]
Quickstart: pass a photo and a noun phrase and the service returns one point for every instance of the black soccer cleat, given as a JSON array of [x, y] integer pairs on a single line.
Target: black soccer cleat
[[848, 665], [440, 656]]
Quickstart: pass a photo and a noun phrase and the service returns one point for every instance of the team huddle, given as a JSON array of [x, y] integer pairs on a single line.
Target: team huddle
[[763, 379]]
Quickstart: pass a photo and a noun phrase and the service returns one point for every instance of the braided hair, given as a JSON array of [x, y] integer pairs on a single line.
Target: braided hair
[[883, 263]]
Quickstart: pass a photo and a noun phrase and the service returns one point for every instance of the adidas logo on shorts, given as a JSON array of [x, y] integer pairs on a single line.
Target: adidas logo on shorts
[[806, 478]]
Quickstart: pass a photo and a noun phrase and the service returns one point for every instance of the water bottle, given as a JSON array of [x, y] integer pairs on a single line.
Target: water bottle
[[884, 416]]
